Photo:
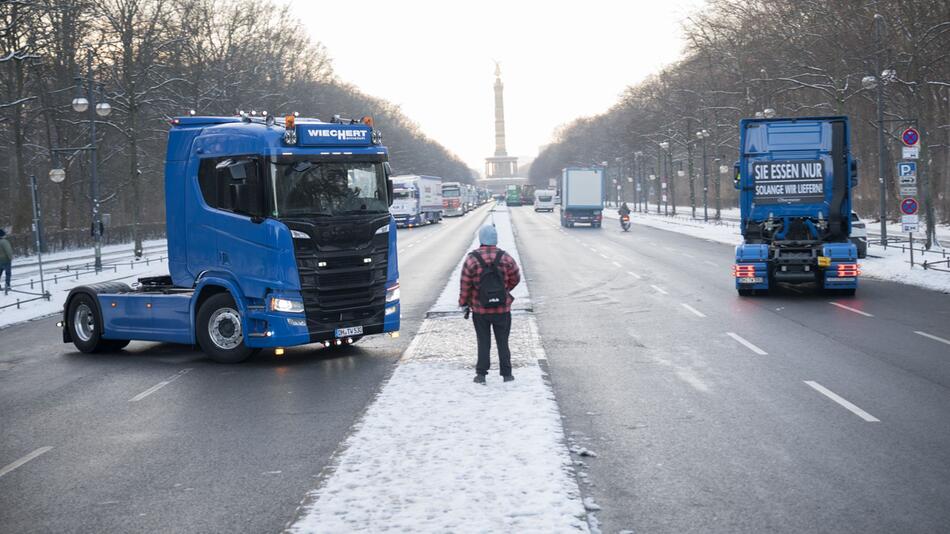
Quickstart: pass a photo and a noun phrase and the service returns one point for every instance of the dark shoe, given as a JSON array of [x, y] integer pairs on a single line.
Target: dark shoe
[[479, 379], [509, 378]]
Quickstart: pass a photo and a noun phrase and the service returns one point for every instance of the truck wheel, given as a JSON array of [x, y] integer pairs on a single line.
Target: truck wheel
[[219, 333], [85, 324]]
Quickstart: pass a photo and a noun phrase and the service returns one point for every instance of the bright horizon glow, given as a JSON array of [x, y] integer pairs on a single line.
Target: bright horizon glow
[[559, 60]]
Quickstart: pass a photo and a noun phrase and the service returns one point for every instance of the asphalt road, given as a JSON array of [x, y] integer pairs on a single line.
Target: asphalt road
[[160, 439], [792, 412]]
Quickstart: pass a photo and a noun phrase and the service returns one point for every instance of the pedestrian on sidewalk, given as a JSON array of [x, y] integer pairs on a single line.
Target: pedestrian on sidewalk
[[6, 259], [488, 276]]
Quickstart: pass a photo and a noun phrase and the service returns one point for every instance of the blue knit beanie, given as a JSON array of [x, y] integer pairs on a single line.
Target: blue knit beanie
[[488, 235]]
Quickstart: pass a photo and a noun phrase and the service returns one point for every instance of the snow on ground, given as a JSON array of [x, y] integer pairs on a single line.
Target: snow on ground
[[892, 264], [436, 452], [448, 300], [156, 265]]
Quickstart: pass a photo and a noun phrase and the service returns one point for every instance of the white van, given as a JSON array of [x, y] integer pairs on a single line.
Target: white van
[[544, 200]]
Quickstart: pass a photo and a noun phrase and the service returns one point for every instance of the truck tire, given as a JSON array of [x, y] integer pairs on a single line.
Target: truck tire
[[218, 329], [85, 325]]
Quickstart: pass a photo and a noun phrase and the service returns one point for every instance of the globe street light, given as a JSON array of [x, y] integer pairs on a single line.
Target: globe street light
[[87, 104], [57, 175]]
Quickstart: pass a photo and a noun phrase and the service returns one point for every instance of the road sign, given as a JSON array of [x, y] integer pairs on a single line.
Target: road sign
[[908, 180], [907, 168], [909, 219], [664, 185], [552, 182], [909, 206], [909, 227], [664, 198], [909, 191], [910, 152], [910, 137]]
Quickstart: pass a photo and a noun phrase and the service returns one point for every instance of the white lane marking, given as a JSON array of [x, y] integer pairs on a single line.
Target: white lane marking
[[633, 274], [747, 344], [410, 245], [659, 289], [688, 255], [694, 310], [835, 397], [850, 309], [931, 336], [604, 256], [707, 262], [159, 386], [617, 264], [10, 467]]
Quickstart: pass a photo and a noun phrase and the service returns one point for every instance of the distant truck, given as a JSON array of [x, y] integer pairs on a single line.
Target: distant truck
[[417, 200], [470, 194], [795, 177], [279, 234], [453, 203], [544, 200], [513, 195], [527, 193], [582, 196]]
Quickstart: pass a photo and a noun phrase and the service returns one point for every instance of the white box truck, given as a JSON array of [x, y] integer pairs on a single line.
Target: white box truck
[[582, 196], [417, 200], [544, 200]]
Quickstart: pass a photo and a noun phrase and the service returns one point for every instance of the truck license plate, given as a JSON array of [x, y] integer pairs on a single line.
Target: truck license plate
[[351, 331], [751, 280]]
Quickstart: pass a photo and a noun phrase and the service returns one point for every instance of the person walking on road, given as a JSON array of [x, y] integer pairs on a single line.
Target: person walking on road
[[6, 259], [488, 276]]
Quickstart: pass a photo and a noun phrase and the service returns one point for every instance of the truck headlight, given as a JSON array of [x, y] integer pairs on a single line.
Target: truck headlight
[[286, 305], [392, 294]]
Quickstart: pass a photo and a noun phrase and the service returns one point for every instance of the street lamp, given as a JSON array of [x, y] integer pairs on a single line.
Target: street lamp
[[87, 104], [664, 178], [869, 83], [638, 168], [768, 113], [57, 175], [702, 135]]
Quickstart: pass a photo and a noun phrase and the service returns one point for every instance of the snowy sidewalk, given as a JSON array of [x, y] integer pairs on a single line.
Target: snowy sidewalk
[[436, 452]]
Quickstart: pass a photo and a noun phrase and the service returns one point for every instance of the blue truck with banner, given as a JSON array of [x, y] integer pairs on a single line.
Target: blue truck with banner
[[279, 234], [795, 177]]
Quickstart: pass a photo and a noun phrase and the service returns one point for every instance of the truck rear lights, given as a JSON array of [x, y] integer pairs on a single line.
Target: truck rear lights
[[848, 270], [286, 305], [743, 270]]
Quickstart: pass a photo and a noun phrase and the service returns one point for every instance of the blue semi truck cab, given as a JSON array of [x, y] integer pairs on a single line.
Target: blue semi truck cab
[[795, 177], [279, 234]]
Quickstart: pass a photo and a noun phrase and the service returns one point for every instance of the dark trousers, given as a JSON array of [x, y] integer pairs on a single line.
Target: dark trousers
[[5, 267], [484, 324]]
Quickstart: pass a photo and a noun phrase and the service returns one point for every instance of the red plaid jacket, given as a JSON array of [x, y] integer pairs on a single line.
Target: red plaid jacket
[[472, 272]]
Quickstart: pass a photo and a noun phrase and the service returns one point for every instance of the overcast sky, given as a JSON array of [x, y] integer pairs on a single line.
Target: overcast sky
[[560, 60]]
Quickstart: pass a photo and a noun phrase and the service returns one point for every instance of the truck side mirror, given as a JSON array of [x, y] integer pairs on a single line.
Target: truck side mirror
[[389, 191], [854, 172], [735, 175]]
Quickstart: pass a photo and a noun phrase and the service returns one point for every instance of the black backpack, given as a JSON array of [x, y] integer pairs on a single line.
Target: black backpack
[[491, 284]]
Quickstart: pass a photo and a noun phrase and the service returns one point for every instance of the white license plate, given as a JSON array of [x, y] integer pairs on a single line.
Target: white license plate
[[752, 280], [351, 331]]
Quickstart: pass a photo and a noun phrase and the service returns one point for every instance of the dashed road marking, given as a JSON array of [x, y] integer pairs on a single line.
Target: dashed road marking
[[11, 466], [617, 264], [633, 274], [694, 310], [933, 337], [159, 386], [747, 343], [604, 256], [659, 289], [707, 262], [843, 402], [850, 309]]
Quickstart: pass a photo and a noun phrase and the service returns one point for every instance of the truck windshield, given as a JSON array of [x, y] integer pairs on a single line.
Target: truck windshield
[[328, 188], [402, 193]]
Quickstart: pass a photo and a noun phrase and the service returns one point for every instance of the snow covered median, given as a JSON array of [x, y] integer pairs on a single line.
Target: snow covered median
[[436, 452], [892, 264]]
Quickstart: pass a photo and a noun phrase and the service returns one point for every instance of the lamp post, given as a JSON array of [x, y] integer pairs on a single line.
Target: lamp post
[[723, 169], [664, 177], [638, 169], [702, 135], [88, 104], [872, 82]]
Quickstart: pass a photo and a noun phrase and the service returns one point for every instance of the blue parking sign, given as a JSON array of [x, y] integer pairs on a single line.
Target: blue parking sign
[[907, 168]]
